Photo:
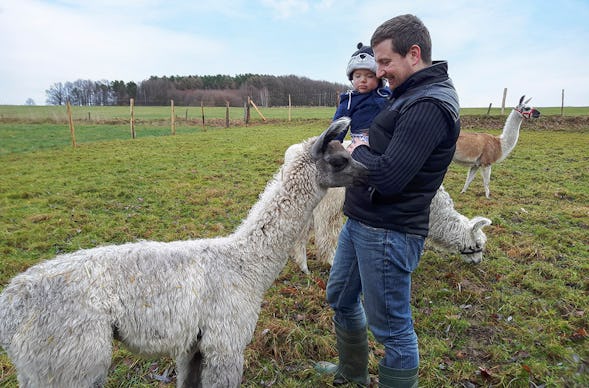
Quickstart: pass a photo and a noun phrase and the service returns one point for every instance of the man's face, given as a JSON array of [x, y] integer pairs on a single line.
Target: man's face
[[392, 66]]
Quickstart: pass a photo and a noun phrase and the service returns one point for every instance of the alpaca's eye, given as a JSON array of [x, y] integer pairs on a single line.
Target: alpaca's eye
[[338, 162]]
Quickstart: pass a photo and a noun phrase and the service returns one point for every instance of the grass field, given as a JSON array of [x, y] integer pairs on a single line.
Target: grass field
[[518, 319]]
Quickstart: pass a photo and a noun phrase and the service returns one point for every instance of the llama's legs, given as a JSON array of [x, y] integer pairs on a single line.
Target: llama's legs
[[486, 172], [469, 177]]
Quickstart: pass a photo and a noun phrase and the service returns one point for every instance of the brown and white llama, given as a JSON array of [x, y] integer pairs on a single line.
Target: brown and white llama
[[482, 150]]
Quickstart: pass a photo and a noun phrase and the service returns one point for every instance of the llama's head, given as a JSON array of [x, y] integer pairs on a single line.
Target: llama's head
[[474, 244], [335, 166], [525, 110]]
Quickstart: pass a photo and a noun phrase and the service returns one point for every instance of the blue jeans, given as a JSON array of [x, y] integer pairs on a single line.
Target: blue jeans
[[375, 265]]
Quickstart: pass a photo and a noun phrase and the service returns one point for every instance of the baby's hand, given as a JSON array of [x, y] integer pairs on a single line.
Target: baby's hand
[[355, 143]]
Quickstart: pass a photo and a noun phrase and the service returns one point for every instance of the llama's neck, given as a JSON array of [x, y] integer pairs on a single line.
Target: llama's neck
[[275, 222], [510, 133]]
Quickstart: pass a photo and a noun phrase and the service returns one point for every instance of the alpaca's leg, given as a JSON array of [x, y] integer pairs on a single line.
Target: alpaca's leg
[[189, 369], [222, 346], [299, 251], [469, 177], [328, 221], [79, 355], [486, 172], [222, 370], [327, 230]]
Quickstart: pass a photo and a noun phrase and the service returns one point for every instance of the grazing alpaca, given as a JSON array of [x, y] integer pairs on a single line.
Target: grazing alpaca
[[452, 232], [476, 150], [196, 300], [449, 230]]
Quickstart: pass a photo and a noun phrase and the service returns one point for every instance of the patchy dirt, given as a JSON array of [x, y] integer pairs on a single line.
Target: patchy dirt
[[552, 123]]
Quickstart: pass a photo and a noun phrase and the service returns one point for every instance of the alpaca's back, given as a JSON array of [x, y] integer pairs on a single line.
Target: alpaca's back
[[127, 286]]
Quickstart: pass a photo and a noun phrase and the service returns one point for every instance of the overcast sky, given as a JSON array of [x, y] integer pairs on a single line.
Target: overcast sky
[[532, 47]]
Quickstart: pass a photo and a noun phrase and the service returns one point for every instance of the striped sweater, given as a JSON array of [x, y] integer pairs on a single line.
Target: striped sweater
[[412, 141]]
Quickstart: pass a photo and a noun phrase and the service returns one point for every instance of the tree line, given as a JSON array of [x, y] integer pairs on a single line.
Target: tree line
[[193, 90]]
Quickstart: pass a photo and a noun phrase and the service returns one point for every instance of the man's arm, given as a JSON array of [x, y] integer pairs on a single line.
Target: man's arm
[[419, 131]]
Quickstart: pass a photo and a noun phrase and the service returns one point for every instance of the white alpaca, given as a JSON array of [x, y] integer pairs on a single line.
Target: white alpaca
[[197, 300], [476, 150], [452, 232], [449, 230]]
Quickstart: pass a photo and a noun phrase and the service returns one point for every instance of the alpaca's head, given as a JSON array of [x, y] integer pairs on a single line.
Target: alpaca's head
[[335, 166], [526, 110], [474, 244]]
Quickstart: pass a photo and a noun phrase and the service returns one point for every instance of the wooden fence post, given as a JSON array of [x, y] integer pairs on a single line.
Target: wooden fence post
[[562, 103], [289, 107], [246, 112], [256, 108], [132, 108], [503, 101], [173, 117], [202, 110], [489, 110], [226, 114], [71, 121]]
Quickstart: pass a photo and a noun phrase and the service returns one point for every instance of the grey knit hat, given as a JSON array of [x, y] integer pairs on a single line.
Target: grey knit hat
[[363, 58]]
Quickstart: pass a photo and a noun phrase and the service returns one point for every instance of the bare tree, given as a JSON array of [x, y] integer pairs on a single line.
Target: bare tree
[[56, 94]]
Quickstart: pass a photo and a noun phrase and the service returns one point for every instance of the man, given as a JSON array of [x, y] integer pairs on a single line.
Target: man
[[412, 141]]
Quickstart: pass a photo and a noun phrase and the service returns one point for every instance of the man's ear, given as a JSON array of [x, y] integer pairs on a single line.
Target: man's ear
[[414, 54]]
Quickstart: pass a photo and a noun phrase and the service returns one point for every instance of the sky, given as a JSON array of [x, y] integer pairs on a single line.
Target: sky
[[534, 47]]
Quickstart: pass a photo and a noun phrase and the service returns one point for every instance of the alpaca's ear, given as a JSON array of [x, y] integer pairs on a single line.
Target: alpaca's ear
[[522, 99], [328, 135], [479, 222]]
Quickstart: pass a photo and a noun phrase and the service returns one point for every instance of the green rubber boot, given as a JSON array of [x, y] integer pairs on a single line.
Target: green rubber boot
[[352, 349], [397, 378]]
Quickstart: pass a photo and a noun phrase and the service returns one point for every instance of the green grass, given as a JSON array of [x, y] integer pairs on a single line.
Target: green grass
[[518, 319]]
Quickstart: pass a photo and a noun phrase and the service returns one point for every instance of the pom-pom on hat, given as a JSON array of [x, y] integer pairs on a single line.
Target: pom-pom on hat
[[363, 58]]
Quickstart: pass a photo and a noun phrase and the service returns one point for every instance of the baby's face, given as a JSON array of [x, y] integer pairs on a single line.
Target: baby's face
[[364, 80]]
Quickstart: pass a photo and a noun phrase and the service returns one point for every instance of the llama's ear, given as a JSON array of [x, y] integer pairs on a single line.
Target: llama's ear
[[334, 129], [522, 99], [479, 222], [528, 100]]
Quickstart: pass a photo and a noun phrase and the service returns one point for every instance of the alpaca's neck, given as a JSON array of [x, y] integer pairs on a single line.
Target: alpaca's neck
[[276, 221], [446, 225], [442, 212], [510, 133]]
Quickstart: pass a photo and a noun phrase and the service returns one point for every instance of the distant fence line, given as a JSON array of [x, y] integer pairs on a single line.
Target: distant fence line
[[247, 116], [184, 114]]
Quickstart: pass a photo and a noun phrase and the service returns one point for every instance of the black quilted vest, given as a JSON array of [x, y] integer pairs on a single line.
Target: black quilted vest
[[408, 211]]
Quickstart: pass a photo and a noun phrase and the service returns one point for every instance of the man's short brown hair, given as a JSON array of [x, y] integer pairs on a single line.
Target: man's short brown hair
[[405, 31]]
